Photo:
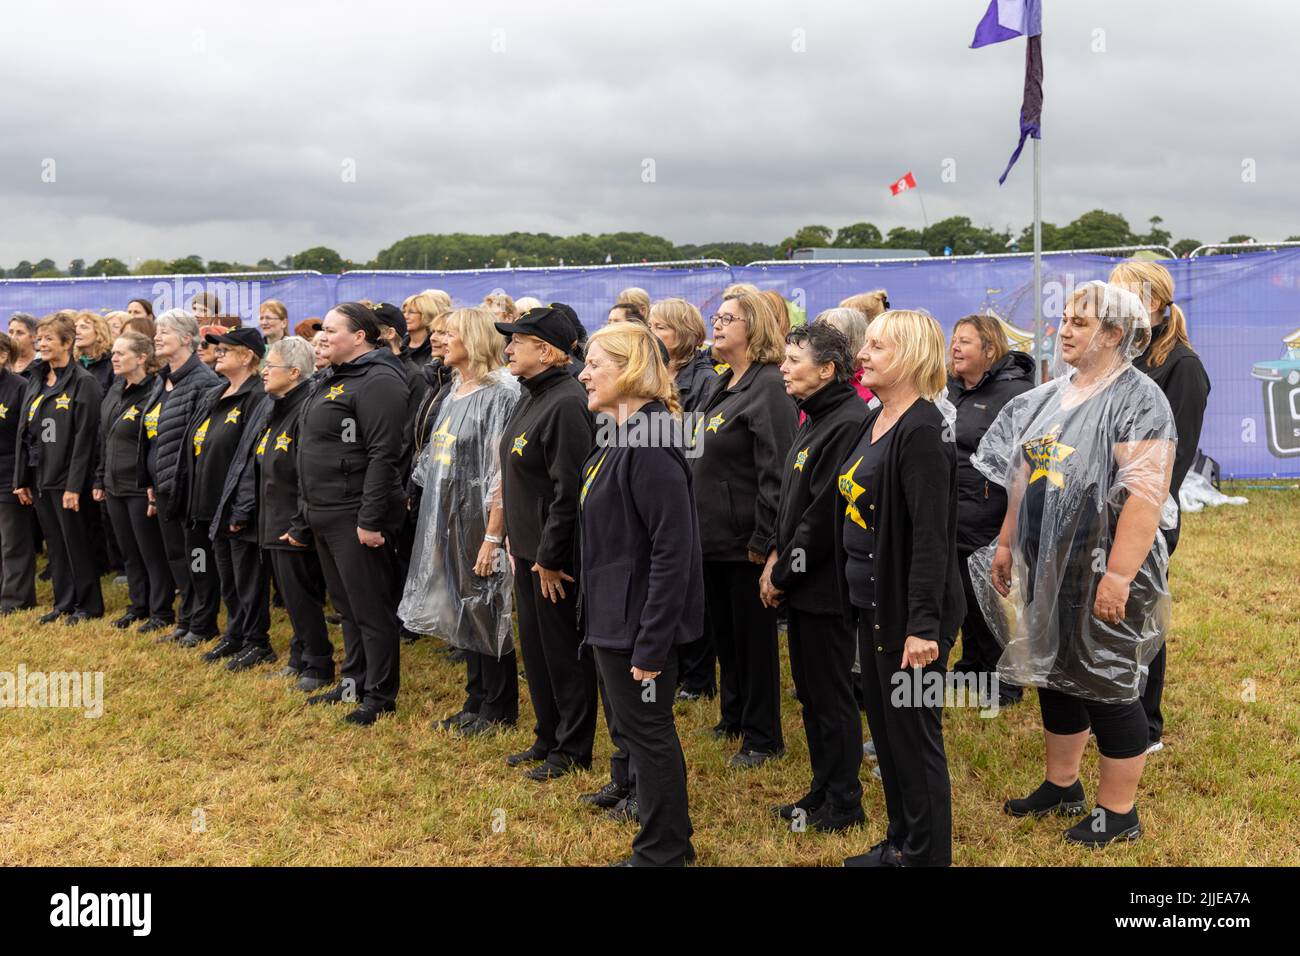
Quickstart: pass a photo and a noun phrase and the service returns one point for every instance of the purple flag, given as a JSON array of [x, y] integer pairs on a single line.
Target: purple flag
[[1006, 20]]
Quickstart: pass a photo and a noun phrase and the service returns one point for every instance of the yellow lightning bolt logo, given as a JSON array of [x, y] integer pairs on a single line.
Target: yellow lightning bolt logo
[[851, 491], [1046, 454], [801, 459], [442, 441], [334, 392], [518, 447]]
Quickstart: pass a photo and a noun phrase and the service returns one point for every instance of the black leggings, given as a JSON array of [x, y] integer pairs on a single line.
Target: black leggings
[[1121, 729]]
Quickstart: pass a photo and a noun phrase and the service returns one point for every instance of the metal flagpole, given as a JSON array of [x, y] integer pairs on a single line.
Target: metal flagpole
[[924, 217], [1038, 268]]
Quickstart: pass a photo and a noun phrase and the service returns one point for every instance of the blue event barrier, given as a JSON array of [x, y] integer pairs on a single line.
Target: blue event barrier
[[1240, 309]]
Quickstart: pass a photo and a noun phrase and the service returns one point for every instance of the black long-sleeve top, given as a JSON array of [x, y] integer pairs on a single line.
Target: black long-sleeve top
[[118, 468], [544, 444], [741, 442], [1186, 385], [276, 458], [12, 388], [212, 442], [60, 431]]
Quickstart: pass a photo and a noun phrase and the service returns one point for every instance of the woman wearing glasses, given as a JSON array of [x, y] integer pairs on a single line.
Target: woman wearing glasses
[[746, 430]]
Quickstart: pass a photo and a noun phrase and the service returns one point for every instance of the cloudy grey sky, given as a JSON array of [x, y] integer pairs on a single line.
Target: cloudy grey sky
[[223, 128]]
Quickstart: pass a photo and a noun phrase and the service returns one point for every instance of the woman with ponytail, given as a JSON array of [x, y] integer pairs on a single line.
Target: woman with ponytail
[[1171, 364]]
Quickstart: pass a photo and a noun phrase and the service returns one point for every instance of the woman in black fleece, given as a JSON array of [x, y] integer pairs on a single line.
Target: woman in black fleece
[[898, 541], [55, 467], [742, 438], [642, 588]]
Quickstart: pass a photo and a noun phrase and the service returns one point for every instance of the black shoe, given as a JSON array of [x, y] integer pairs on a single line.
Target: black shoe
[[251, 656], [367, 714], [533, 754], [192, 639], [687, 859], [546, 770], [287, 672], [753, 758], [723, 732], [156, 624], [49, 618], [809, 803], [335, 696], [832, 819], [1048, 798], [127, 619], [625, 811], [458, 655], [1103, 827], [687, 693], [308, 683], [882, 854], [455, 720], [606, 798], [226, 648], [80, 617], [481, 727]]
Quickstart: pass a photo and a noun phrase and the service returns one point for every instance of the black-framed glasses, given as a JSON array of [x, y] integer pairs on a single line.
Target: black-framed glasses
[[724, 319]]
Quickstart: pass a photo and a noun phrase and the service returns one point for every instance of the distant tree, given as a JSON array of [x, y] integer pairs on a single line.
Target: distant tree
[[77, 267], [108, 267], [320, 258], [45, 265], [266, 265], [1157, 236], [808, 237], [23, 270], [900, 237], [151, 267], [1229, 241], [860, 235], [1183, 247], [1098, 229], [47, 274], [187, 265]]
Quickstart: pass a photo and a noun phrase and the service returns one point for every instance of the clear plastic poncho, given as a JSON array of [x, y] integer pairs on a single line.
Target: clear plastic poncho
[[1071, 453], [460, 471]]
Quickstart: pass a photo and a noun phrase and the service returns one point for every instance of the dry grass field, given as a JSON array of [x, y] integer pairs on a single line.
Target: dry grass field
[[192, 765]]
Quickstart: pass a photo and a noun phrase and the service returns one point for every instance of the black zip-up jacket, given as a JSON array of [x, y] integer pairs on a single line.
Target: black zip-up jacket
[[642, 577], [548, 437], [118, 468], [1183, 379], [66, 461], [981, 504], [422, 354], [102, 369], [437, 380], [352, 442], [238, 502], [223, 421], [810, 500], [190, 383], [742, 440], [696, 380], [918, 587], [276, 458], [12, 388]]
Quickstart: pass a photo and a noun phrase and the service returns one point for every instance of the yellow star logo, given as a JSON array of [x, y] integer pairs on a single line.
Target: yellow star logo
[[63, 402], [232, 416], [200, 434], [4, 410], [518, 447], [151, 421], [1046, 452], [334, 392], [282, 441], [442, 441], [36, 403], [720, 367], [851, 491], [131, 414], [261, 445], [801, 459], [714, 423]]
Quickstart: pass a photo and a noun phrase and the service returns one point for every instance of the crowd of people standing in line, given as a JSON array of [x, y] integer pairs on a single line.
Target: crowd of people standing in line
[[431, 470]]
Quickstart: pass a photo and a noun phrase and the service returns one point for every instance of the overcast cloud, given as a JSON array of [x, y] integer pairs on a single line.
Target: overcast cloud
[[222, 128]]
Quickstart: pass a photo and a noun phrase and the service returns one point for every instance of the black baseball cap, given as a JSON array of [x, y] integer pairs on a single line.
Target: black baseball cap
[[250, 338], [389, 314], [553, 324]]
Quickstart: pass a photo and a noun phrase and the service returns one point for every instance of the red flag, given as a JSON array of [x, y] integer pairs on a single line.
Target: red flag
[[907, 182]]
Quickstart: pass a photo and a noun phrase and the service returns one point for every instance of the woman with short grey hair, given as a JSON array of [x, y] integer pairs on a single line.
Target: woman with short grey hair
[[853, 323]]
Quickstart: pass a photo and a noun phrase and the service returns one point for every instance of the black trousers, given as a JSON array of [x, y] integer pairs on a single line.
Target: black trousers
[[619, 771], [909, 747], [100, 524], [17, 554], [148, 578], [744, 636], [980, 650], [1155, 688], [298, 576], [205, 581], [821, 662], [561, 679], [244, 589], [492, 686], [362, 584], [697, 664], [173, 535], [73, 569], [643, 726]]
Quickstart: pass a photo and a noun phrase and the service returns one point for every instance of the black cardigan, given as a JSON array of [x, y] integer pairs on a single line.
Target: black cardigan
[[1183, 380], [918, 587]]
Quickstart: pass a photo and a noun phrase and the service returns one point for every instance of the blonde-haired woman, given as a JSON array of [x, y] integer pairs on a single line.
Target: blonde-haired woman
[[870, 304], [637, 298], [93, 346], [678, 325], [642, 585], [273, 320], [898, 542], [743, 435], [1171, 364], [420, 310], [502, 305], [459, 584]]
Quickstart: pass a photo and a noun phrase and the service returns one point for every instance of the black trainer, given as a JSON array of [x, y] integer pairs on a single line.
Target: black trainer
[[335, 696], [533, 754], [883, 853], [606, 798], [455, 720], [808, 803], [49, 618], [625, 811], [482, 726], [367, 714], [829, 818], [1103, 827], [1048, 798], [251, 656], [748, 759], [193, 639], [156, 624], [226, 648]]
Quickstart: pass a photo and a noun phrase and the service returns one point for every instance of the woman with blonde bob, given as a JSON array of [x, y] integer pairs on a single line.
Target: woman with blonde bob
[[459, 585], [93, 346], [420, 310], [870, 304], [745, 432], [678, 325], [642, 585], [1170, 362], [898, 544]]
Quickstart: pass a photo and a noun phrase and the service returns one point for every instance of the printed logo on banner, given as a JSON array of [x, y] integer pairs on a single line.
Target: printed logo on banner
[[1281, 387]]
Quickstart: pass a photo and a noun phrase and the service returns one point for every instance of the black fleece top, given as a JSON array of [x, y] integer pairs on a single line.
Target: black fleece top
[[12, 387], [60, 431], [212, 442], [118, 470], [276, 459], [804, 542], [918, 588], [741, 442], [542, 450], [1186, 385]]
